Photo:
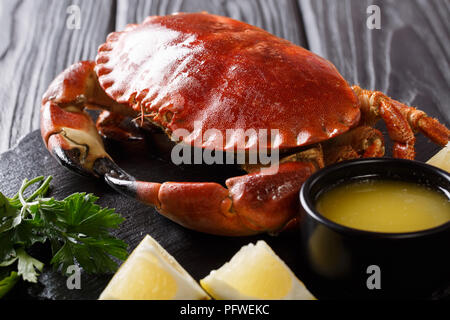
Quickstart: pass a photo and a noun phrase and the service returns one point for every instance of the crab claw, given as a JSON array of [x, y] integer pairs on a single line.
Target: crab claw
[[252, 204], [67, 129], [71, 137]]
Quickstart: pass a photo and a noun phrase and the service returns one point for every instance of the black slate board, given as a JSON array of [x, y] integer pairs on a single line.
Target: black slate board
[[198, 253], [148, 160]]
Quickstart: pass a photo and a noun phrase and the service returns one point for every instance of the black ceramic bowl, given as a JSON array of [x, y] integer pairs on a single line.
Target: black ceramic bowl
[[338, 259]]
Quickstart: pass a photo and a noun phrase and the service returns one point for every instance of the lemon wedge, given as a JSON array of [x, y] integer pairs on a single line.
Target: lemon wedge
[[255, 272], [441, 159], [151, 273]]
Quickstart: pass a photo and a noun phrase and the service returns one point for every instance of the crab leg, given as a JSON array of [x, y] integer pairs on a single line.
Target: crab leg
[[363, 141], [420, 121], [401, 121], [252, 204]]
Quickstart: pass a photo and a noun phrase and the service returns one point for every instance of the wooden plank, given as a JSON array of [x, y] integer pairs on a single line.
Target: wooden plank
[[408, 58], [280, 17], [35, 45]]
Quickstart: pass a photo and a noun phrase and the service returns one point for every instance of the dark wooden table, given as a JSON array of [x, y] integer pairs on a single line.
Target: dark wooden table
[[408, 58]]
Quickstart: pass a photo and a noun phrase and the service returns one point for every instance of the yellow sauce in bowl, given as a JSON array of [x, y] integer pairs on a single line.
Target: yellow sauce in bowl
[[384, 206]]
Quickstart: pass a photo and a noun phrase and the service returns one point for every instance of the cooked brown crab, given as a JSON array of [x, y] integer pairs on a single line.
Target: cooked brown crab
[[171, 71]]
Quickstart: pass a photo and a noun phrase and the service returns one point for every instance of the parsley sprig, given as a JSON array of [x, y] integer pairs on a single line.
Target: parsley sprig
[[76, 228]]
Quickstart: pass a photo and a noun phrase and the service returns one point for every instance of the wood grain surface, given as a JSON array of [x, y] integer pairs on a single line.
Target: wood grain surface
[[407, 59], [36, 45], [280, 17]]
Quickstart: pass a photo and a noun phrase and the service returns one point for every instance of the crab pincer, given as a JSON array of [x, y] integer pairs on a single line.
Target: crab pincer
[[251, 204]]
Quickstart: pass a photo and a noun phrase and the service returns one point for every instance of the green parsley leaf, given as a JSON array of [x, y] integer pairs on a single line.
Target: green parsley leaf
[[92, 254], [7, 251], [76, 228], [80, 230], [7, 282], [28, 266], [9, 216], [81, 215]]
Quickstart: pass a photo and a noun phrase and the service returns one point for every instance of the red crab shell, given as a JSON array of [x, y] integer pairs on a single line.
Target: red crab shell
[[177, 71]]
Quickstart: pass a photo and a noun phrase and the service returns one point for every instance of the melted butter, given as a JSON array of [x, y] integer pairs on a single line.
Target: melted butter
[[385, 206]]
